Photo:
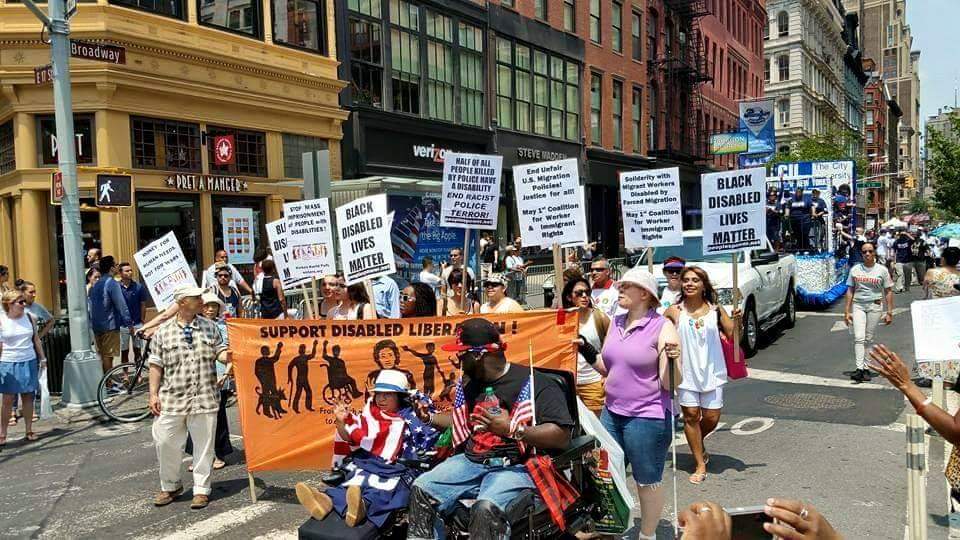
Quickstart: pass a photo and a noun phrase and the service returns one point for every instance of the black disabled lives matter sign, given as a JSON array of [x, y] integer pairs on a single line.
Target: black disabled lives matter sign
[[366, 251], [733, 211], [471, 191], [550, 203]]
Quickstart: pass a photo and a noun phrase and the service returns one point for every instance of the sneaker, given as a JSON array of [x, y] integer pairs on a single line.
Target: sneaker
[[166, 497], [199, 502], [116, 388], [857, 377], [865, 375]]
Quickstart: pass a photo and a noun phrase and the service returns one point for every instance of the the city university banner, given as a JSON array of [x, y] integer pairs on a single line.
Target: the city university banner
[[290, 374]]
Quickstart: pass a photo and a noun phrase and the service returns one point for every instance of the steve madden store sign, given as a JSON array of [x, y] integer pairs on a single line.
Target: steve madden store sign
[[200, 182], [537, 154]]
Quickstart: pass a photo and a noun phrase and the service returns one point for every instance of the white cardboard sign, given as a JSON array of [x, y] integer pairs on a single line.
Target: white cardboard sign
[[936, 329], [309, 237], [164, 269], [650, 204], [280, 248], [550, 203], [471, 191], [734, 216], [366, 250]]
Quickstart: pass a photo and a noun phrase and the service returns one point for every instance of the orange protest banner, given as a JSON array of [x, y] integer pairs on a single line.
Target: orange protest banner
[[290, 374]]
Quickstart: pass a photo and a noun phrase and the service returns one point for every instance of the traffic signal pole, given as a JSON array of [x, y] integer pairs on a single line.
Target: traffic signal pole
[[81, 370]]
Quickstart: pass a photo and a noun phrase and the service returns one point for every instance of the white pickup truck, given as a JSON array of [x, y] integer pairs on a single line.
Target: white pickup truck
[[766, 280]]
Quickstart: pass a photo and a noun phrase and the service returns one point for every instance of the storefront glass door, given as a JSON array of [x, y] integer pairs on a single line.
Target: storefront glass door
[[259, 227], [160, 213]]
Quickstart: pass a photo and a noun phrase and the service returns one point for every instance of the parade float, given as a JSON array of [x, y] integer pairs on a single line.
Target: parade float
[[821, 270]]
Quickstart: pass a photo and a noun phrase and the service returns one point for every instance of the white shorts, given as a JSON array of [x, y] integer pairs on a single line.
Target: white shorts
[[125, 339], [705, 400]]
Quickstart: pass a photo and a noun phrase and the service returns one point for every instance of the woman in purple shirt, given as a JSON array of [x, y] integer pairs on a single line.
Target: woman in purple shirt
[[638, 408]]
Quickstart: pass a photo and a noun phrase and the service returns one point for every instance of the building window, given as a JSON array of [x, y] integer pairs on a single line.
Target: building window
[[783, 24], [870, 136], [783, 67], [540, 9], [557, 93], [636, 113], [504, 83], [366, 61], [165, 144], [84, 139], [652, 36], [250, 156], [294, 146], [616, 23], [869, 98], [405, 56], [595, 21], [471, 74], [541, 96], [617, 115], [237, 16], [570, 15], [300, 23], [596, 93], [783, 112], [170, 8], [8, 160], [766, 70], [573, 101], [524, 90], [439, 66], [653, 138], [636, 42], [505, 3], [869, 118], [365, 7]]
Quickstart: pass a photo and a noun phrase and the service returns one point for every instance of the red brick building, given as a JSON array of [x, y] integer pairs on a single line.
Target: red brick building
[[733, 44]]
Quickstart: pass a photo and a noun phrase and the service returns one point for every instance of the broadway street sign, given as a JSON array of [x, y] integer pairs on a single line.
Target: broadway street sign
[[101, 52]]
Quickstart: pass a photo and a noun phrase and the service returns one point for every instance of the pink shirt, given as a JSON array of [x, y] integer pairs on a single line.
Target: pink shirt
[[633, 378]]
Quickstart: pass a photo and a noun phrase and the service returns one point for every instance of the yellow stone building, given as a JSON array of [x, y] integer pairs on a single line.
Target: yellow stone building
[[261, 71]]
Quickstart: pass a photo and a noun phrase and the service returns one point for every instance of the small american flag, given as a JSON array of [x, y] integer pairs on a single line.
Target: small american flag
[[522, 411], [461, 429]]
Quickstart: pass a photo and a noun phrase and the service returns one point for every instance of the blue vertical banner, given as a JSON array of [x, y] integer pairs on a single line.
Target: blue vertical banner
[[756, 118]]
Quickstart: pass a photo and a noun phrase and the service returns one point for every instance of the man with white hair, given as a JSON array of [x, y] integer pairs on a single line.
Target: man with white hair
[[184, 395]]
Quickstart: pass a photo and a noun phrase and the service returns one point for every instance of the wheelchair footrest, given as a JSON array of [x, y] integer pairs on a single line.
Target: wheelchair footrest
[[333, 528]]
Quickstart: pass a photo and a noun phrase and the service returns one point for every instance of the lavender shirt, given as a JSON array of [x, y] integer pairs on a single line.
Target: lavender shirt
[[633, 380]]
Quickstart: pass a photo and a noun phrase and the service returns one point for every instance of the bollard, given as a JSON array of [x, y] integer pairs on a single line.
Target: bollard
[[916, 488]]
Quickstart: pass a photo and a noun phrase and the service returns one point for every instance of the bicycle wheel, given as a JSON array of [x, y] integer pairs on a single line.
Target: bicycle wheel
[[124, 393]]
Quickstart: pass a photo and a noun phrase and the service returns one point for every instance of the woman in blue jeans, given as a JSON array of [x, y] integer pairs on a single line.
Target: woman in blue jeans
[[638, 408]]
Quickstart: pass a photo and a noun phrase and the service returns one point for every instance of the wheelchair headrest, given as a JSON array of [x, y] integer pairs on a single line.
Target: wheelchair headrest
[[568, 385]]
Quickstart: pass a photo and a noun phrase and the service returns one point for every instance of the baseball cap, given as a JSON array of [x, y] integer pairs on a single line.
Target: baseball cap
[[497, 278], [187, 292], [674, 262], [210, 298], [641, 278], [474, 334], [391, 380]]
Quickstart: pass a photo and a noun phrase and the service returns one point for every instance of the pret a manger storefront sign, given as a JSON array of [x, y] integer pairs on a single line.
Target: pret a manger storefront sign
[[204, 182]]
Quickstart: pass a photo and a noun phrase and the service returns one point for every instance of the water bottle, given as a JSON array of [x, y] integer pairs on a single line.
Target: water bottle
[[490, 401]]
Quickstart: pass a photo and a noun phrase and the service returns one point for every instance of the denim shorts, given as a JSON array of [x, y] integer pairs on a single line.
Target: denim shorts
[[644, 441]]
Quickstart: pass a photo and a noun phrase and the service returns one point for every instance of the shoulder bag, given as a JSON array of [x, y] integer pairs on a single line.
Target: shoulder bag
[[736, 366]]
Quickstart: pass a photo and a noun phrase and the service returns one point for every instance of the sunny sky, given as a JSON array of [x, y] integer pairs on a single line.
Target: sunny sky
[[934, 27]]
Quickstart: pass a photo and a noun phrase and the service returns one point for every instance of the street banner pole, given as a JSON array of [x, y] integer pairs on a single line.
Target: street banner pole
[[465, 254], [650, 251], [82, 368], [316, 298], [916, 486], [558, 272], [307, 303], [735, 259]]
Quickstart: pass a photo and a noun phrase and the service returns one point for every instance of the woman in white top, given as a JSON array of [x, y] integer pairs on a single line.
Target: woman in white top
[[331, 288], [699, 320], [21, 357], [594, 324], [495, 285], [453, 304], [355, 305]]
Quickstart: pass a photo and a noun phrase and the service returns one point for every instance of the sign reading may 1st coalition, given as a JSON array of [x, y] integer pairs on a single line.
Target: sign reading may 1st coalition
[[733, 211], [310, 238], [164, 269], [550, 203], [471, 191], [650, 202], [366, 251]]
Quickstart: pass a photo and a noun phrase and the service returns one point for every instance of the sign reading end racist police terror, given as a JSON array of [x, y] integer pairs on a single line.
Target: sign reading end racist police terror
[[733, 211], [471, 191]]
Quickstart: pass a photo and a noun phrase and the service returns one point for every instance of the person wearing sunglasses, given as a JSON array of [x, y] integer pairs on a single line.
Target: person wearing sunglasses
[[184, 395], [454, 303], [672, 268], [495, 287], [604, 290], [21, 358], [492, 469], [869, 286], [226, 292], [417, 300], [594, 324]]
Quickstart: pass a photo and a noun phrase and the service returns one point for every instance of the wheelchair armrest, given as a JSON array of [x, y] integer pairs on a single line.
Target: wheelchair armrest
[[578, 447]]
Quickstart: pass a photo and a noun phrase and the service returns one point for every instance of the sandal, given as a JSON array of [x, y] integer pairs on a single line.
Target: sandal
[[31, 436], [219, 464], [698, 478], [13, 420]]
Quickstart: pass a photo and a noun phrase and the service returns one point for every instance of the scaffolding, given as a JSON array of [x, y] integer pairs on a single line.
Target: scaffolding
[[681, 71]]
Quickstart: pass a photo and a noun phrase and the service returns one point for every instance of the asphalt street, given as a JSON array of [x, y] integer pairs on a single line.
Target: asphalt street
[[796, 428]]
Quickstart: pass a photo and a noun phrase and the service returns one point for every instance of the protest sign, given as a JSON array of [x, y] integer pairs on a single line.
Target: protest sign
[[310, 239], [733, 211], [164, 269], [366, 251], [290, 426], [471, 191], [936, 334], [549, 203], [238, 231], [280, 248], [650, 203]]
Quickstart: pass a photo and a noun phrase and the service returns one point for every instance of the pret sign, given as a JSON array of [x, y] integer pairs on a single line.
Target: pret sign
[[114, 190], [204, 182]]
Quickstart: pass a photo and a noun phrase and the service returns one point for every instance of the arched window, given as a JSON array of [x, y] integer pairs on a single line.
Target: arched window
[[783, 23]]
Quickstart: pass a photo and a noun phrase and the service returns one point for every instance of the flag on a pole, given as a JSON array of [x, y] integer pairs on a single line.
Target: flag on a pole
[[461, 429], [522, 414]]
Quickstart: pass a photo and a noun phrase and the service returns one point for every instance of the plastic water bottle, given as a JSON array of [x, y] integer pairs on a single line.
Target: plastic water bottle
[[490, 402]]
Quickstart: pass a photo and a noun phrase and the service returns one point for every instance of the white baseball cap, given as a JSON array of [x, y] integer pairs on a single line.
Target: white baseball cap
[[641, 278], [187, 291], [391, 380]]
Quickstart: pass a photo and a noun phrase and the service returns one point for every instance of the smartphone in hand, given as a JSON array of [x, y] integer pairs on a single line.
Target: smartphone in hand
[[747, 523]]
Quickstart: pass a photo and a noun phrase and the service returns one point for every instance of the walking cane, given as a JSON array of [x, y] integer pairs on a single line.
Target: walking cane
[[673, 445]]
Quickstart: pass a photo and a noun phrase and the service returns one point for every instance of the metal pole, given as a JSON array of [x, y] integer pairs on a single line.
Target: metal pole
[[81, 369], [916, 485]]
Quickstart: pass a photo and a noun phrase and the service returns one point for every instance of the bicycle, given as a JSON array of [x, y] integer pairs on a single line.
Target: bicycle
[[124, 391]]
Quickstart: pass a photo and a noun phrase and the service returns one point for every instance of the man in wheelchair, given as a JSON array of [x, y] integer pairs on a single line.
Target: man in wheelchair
[[495, 468]]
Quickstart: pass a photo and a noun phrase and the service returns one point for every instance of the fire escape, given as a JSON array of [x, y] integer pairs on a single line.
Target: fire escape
[[682, 69]]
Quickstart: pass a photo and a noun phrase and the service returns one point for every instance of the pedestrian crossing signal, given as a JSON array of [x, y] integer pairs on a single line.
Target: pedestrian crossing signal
[[114, 191]]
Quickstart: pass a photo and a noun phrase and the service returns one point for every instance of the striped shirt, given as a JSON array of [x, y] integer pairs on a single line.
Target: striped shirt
[[189, 383]]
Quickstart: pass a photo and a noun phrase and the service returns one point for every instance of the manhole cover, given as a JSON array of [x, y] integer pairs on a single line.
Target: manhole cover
[[810, 401]]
